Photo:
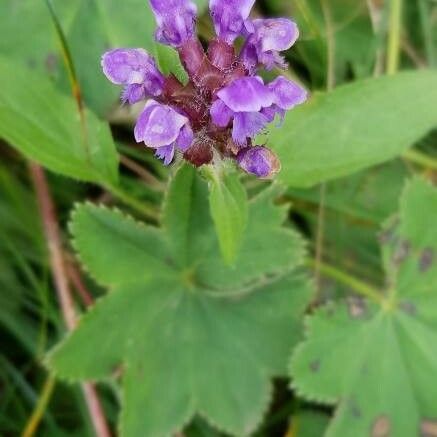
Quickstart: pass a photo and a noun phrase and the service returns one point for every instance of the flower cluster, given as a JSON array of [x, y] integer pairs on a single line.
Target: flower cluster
[[225, 104]]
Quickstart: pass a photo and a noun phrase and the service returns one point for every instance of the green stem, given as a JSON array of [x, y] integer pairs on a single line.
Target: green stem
[[40, 408], [421, 159], [71, 70], [145, 209], [344, 278], [425, 20], [330, 45], [394, 37]]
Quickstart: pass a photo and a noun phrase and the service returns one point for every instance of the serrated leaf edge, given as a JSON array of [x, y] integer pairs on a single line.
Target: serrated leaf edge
[[81, 206]]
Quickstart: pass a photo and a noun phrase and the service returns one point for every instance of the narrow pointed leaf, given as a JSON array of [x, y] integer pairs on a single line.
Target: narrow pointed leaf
[[45, 126], [229, 210], [355, 126]]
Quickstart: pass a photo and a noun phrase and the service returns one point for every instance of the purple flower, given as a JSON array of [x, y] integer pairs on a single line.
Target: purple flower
[[160, 127], [135, 69], [259, 161], [270, 36], [224, 105], [230, 18], [176, 21], [243, 101], [287, 95]]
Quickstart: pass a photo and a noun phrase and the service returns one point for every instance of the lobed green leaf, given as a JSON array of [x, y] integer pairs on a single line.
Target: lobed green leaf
[[198, 347], [385, 349]]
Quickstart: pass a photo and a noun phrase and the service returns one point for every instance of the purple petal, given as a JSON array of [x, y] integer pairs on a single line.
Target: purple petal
[[275, 34], [185, 138], [270, 37], [129, 66], [221, 115], [270, 60], [176, 21], [249, 57], [158, 125], [271, 113], [259, 161], [248, 94], [229, 17], [248, 125], [133, 94], [166, 153], [287, 94]]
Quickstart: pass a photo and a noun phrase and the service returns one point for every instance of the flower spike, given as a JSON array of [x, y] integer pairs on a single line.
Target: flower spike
[[224, 105]]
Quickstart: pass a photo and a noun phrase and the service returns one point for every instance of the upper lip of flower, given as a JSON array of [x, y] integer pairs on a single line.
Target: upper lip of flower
[[222, 89], [248, 94]]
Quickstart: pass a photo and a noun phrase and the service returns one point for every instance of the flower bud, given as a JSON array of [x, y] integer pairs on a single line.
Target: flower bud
[[259, 161]]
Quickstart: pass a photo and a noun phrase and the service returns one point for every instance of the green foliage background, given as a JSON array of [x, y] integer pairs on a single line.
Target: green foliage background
[[224, 305]]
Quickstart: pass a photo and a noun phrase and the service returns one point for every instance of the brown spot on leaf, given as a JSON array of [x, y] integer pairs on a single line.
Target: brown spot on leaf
[[388, 235], [51, 62], [428, 428], [357, 307], [381, 427], [408, 307], [315, 366], [401, 252], [426, 259], [354, 409]]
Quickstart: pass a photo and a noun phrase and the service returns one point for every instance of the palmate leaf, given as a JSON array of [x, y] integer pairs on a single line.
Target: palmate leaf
[[267, 247], [374, 359], [184, 346]]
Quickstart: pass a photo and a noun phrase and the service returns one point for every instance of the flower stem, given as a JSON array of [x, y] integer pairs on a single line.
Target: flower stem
[[350, 281], [40, 408], [72, 75], [427, 30], [145, 209], [421, 159], [62, 286], [394, 37]]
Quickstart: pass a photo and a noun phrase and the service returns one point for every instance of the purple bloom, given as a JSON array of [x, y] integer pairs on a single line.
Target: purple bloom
[[176, 21], [224, 105], [160, 127], [270, 37], [287, 95], [259, 161], [243, 101], [135, 69], [230, 18]]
